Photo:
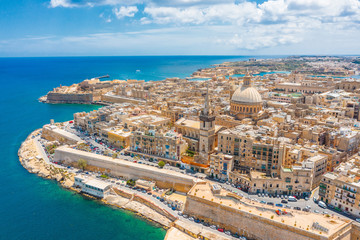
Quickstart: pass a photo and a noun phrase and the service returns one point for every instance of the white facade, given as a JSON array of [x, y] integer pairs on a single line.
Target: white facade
[[92, 187]]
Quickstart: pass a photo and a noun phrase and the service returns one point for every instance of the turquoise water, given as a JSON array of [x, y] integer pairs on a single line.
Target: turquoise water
[[33, 208]]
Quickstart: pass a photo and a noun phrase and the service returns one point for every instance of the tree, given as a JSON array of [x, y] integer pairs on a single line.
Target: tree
[[161, 164], [130, 182], [82, 163]]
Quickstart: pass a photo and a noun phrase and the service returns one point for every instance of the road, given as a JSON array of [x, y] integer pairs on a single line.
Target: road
[[302, 203]]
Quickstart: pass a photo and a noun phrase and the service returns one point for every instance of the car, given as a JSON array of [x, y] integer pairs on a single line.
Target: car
[[284, 201], [288, 206], [148, 193], [263, 202], [277, 196], [324, 212], [292, 199], [185, 216], [316, 211], [306, 210], [286, 197], [236, 235], [213, 227], [191, 218], [279, 205], [220, 229], [180, 213], [308, 207], [297, 208], [358, 220], [282, 196], [206, 224], [197, 220], [263, 195], [322, 204], [270, 203], [306, 199], [266, 195], [228, 233], [315, 200], [259, 195]]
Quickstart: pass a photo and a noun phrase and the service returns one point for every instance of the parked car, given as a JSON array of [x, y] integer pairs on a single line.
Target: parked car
[[213, 227], [316, 211], [292, 199], [270, 203], [322, 204], [220, 229], [284, 201], [279, 205], [228, 233], [306, 210], [297, 208]]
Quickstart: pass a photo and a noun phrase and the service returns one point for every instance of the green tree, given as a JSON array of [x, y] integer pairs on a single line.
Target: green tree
[[161, 164], [130, 182], [82, 163]]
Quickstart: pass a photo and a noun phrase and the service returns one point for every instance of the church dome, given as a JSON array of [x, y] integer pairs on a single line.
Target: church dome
[[246, 95]]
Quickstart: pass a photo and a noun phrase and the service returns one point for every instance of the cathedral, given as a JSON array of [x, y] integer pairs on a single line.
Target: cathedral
[[246, 101]]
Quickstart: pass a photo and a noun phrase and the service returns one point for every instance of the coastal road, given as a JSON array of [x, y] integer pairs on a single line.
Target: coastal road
[[42, 150], [302, 203]]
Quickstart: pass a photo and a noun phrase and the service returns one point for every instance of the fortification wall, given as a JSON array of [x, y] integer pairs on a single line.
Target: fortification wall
[[120, 99], [84, 98], [117, 167], [253, 226]]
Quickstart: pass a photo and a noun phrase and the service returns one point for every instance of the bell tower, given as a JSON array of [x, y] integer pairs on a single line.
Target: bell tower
[[207, 130]]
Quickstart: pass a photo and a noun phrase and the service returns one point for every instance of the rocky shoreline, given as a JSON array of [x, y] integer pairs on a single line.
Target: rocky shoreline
[[31, 159]]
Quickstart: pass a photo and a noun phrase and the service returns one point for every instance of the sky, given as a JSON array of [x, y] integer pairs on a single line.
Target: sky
[[179, 27]]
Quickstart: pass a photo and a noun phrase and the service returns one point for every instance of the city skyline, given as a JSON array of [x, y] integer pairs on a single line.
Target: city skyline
[[119, 28]]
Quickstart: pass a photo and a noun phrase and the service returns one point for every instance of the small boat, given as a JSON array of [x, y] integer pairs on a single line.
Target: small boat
[[138, 71]]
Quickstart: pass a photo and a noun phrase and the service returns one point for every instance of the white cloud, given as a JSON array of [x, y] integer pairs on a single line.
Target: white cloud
[[61, 3], [125, 11], [242, 24]]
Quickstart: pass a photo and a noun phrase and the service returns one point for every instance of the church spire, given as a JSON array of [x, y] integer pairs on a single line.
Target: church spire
[[206, 110]]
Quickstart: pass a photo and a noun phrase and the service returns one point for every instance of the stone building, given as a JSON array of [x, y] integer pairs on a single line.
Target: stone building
[[168, 146], [253, 149], [246, 102]]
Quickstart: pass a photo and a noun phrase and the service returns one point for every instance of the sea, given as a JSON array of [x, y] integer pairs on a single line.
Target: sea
[[34, 208]]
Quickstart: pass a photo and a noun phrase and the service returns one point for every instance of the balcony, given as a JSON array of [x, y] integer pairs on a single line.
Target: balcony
[[350, 196], [348, 189]]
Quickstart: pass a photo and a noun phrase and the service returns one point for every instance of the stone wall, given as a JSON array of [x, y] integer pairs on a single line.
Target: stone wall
[[117, 167], [85, 98], [250, 225]]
